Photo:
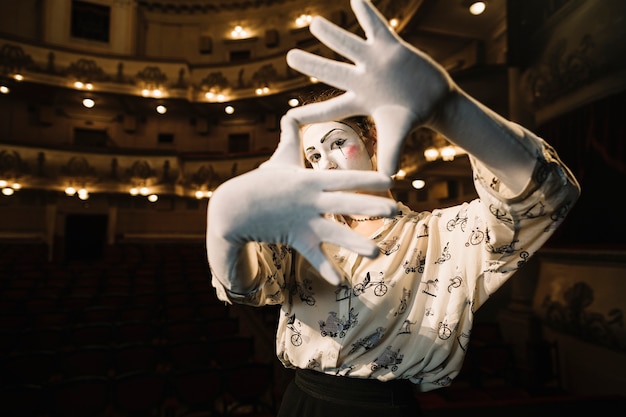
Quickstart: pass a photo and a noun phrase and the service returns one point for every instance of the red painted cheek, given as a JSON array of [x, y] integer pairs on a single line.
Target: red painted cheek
[[351, 152]]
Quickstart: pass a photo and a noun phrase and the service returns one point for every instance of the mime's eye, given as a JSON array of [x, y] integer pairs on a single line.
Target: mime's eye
[[339, 143]]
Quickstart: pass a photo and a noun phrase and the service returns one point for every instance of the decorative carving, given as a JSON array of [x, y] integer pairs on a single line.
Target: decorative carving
[[11, 164], [13, 59], [78, 167], [141, 170], [265, 75], [86, 70], [574, 318], [215, 81], [561, 73], [151, 77], [205, 176]]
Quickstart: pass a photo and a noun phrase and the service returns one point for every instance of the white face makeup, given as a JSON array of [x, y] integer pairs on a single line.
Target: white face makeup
[[334, 145]]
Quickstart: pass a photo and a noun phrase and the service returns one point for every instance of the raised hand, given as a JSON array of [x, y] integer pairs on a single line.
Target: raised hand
[[395, 83], [283, 202]]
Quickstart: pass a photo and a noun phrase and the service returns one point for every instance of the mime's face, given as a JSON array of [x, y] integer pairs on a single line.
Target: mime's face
[[335, 145]]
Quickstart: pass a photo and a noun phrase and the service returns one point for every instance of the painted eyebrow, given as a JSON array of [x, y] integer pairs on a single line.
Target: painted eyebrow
[[323, 139]]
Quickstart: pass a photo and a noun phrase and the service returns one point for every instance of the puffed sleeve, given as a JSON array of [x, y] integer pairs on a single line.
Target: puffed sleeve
[[517, 225]]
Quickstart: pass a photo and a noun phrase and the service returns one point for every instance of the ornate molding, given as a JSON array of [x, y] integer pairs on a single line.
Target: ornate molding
[[562, 72]]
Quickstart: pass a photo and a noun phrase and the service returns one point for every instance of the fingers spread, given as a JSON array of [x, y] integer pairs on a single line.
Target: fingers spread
[[339, 40], [329, 71]]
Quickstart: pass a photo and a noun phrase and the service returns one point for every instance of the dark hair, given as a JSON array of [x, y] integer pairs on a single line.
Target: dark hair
[[365, 124]]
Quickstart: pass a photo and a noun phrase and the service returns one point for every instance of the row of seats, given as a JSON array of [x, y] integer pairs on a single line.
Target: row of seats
[[123, 334], [40, 366], [200, 391]]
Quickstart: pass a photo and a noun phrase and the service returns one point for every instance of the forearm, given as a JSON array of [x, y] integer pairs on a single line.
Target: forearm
[[498, 143], [235, 268]]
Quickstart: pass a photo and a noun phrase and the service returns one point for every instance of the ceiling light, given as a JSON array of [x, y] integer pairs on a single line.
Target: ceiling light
[[88, 102], [293, 102], [18, 77], [229, 109], [8, 191], [161, 109], [153, 198], [418, 184], [4, 89], [477, 7]]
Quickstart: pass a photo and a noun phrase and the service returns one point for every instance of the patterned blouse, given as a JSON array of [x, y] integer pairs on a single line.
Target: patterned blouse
[[408, 313]]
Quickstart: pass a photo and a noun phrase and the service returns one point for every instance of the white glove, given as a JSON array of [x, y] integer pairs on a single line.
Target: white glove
[[401, 87], [396, 84], [284, 202]]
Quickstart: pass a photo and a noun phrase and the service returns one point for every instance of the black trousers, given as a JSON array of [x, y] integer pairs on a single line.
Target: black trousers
[[314, 394]]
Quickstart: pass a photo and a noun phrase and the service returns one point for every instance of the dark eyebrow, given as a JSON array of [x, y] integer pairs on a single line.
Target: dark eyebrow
[[324, 138], [328, 134]]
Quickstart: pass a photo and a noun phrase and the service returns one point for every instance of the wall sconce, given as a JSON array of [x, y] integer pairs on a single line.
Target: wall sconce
[[82, 193], [9, 188], [83, 86], [446, 153], [238, 32], [431, 153], [154, 92], [203, 194], [303, 20], [262, 90]]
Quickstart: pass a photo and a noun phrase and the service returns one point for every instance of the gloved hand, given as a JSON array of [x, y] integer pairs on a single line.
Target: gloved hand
[[395, 83], [283, 202]]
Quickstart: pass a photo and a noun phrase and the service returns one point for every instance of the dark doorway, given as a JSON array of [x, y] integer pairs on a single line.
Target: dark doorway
[[85, 235]]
